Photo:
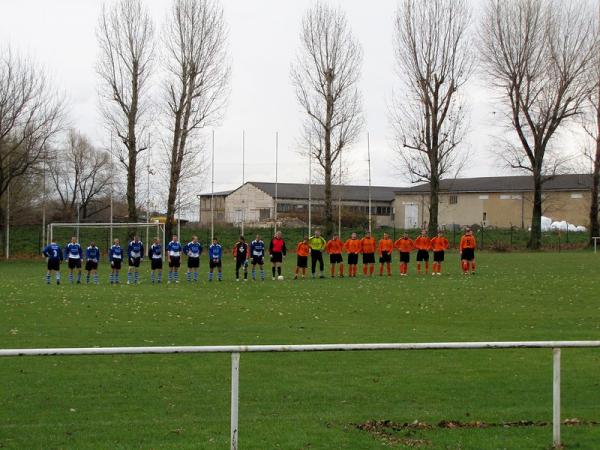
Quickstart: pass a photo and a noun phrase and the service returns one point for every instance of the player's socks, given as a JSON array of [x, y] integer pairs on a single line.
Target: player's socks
[[110, 278], [426, 268], [87, 279], [389, 269], [71, 278], [96, 279], [176, 276], [79, 278], [237, 273], [220, 275], [364, 269], [465, 266], [189, 276], [58, 278], [117, 278], [195, 277], [170, 276], [419, 268], [332, 270], [159, 277], [254, 274], [262, 275], [136, 277], [371, 269], [341, 269], [245, 274], [273, 269], [210, 276], [381, 269], [152, 277], [48, 278], [279, 270], [473, 267], [128, 277]]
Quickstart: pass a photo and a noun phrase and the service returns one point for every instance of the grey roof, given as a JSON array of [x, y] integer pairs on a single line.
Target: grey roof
[[299, 191], [217, 194], [570, 182]]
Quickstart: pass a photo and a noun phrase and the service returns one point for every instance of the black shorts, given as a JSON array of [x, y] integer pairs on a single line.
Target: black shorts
[[91, 265], [193, 262], [241, 263], [404, 257], [214, 263], [155, 263], [74, 263], [134, 262], [385, 257], [116, 264], [260, 260], [276, 257], [335, 258], [468, 254], [54, 264], [368, 258], [302, 262], [438, 256], [353, 259], [422, 255], [174, 261]]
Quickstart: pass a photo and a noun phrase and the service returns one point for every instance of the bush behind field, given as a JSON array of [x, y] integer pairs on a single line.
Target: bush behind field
[[26, 241]]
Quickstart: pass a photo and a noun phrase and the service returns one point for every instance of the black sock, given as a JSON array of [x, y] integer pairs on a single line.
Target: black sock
[[273, 268], [279, 270]]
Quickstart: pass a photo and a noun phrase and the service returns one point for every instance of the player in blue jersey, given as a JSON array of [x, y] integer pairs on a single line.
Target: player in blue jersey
[[135, 253], [193, 250], [54, 254], [92, 257], [174, 250], [115, 257], [257, 253], [74, 255], [156, 263], [215, 256]]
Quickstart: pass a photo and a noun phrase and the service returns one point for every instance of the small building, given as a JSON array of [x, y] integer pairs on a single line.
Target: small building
[[206, 204]]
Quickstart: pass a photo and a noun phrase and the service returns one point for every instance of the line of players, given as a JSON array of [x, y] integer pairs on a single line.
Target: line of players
[[254, 253]]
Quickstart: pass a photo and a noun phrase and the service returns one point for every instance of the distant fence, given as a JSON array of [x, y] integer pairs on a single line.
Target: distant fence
[[236, 350]]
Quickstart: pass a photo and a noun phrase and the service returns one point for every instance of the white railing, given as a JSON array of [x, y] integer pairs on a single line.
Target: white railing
[[235, 351]]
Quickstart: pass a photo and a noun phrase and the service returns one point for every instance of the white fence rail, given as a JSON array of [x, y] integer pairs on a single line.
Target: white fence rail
[[236, 350]]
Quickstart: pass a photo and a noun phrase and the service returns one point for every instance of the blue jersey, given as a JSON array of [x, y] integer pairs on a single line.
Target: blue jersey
[[215, 252], [155, 251], [92, 254], [53, 252], [135, 249], [193, 249], [257, 248], [115, 252], [73, 251], [174, 248]]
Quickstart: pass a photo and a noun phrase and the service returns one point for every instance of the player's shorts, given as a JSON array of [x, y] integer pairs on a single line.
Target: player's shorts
[[353, 258], [193, 262], [260, 260], [468, 254], [386, 257], [422, 255], [91, 265], [276, 257], [241, 263], [53, 264], [335, 258], [174, 261], [302, 262], [368, 258], [156, 263], [116, 264], [74, 263], [438, 256], [134, 262], [405, 257], [214, 263]]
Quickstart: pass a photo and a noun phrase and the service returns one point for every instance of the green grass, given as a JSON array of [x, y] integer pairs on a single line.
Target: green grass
[[302, 401]]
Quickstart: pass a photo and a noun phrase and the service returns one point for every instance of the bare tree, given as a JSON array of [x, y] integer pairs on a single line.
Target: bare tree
[[538, 53], [326, 75], [196, 87], [126, 38], [434, 61]]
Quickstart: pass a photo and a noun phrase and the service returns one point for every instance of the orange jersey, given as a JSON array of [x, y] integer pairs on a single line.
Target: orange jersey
[[423, 243], [386, 245], [467, 241], [353, 246], [334, 247], [303, 249], [405, 245], [439, 244], [368, 245]]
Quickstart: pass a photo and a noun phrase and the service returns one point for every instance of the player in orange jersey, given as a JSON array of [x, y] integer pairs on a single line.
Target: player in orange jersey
[[353, 248], [385, 247], [404, 245], [467, 252], [439, 244], [423, 245], [335, 247], [302, 252], [368, 246]]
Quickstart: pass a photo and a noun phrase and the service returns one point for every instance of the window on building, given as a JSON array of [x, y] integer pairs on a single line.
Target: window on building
[[484, 197], [577, 195], [504, 197], [284, 207], [453, 200], [264, 213]]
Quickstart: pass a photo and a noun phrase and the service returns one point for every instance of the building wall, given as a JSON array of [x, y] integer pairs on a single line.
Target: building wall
[[246, 203]]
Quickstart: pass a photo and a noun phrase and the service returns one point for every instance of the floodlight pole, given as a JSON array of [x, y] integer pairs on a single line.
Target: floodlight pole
[[276, 174], [112, 189], [243, 178], [7, 253], [340, 198], [212, 192], [44, 201], [309, 186], [179, 215], [148, 194], [369, 161]]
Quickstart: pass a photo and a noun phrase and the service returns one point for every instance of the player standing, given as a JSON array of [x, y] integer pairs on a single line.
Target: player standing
[[368, 245], [352, 246], [385, 247], [193, 250], [215, 256], [135, 253], [53, 252], [405, 245], [174, 248], [317, 245], [156, 261], [92, 257], [277, 251], [257, 250], [240, 253], [334, 247], [467, 252], [115, 257], [302, 251], [423, 245], [439, 244], [74, 255]]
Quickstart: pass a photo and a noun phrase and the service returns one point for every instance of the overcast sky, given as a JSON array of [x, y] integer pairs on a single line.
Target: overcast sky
[[263, 41]]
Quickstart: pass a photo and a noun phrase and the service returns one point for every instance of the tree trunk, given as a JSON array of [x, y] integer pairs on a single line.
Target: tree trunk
[[131, 170], [434, 201], [535, 237], [329, 225]]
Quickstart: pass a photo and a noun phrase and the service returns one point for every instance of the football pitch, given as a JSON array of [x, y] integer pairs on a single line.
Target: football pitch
[[467, 399]]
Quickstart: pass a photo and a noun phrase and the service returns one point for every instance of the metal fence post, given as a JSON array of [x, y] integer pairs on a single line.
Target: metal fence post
[[556, 397], [235, 385]]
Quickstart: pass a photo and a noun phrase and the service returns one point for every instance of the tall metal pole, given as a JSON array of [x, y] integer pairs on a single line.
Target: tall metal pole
[[148, 194], [243, 178], [44, 201], [369, 160], [340, 198], [179, 216], [7, 234], [309, 187], [212, 192], [112, 188], [276, 174], [78, 211]]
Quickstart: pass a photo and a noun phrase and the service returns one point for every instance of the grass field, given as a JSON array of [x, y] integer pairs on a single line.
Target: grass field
[[304, 401]]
